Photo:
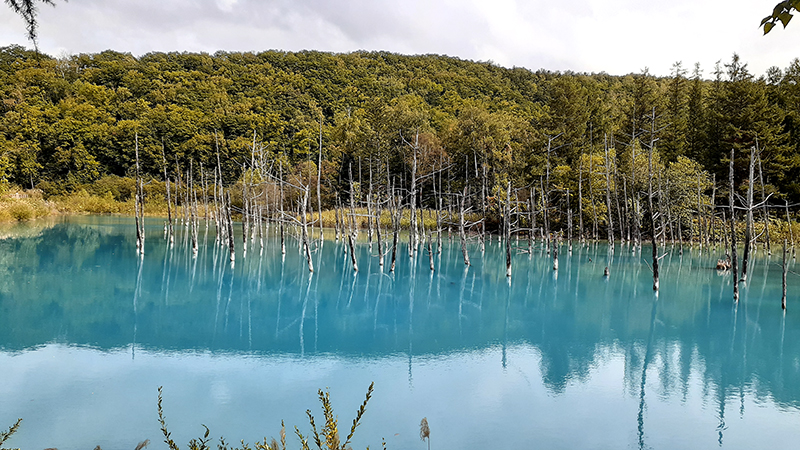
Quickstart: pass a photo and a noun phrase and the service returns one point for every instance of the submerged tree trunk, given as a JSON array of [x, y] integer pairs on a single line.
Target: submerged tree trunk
[[734, 256], [139, 203], [353, 224], [652, 218], [764, 211], [304, 224], [785, 267], [609, 209], [748, 231], [280, 181], [461, 228], [169, 199], [231, 247], [580, 199], [789, 224], [507, 229], [319, 182]]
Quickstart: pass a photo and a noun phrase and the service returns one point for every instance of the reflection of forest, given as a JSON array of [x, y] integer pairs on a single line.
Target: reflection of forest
[[80, 285]]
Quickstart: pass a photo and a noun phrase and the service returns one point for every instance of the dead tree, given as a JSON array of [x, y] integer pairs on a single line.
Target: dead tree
[[352, 222], [192, 207], [396, 214], [764, 211], [785, 268], [139, 202], [170, 231], [789, 225], [229, 221], [462, 226], [609, 210], [412, 229], [748, 231], [507, 229], [580, 199], [282, 214], [652, 218], [319, 182], [734, 257]]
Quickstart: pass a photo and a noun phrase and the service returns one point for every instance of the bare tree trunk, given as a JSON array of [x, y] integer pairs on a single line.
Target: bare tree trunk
[[319, 182], [764, 211], [569, 225], [699, 212], [304, 223], [734, 257], [609, 209], [507, 229], [748, 231], [217, 215], [139, 203], [662, 206], [622, 222], [555, 255], [412, 229], [169, 199], [785, 267], [482, 235], [204, 182], [725, 236], [396, 215], [545, 218], [531, 218], [245, 209], [280, 181], [712, 234], [652, 218], [591, 198], [369, 208], [378, 213], [230, 227], [353, 223], [628, 215], [192, 208], [461, 227], [580, 199], [428, 236], [789, 224]]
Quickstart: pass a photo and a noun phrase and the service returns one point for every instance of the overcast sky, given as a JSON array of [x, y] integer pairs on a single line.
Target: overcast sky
[[614, 36]]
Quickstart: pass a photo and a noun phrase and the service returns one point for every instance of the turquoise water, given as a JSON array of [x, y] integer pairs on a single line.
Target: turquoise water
[[558, 360]]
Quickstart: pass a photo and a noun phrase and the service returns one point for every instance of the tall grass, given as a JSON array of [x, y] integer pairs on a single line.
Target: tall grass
[[7, 434], [17, 205], [326, 438]]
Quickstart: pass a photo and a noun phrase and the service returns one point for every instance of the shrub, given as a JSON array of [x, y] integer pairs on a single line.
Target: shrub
[[326, 438], [7, 434]]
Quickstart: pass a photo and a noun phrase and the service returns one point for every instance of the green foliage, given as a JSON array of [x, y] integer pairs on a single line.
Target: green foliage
[[4, 435], [68, 125], [781, 13], [327, 437]]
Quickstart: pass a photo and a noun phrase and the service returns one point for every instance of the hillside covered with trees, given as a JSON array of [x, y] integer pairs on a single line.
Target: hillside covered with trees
[[473, 128]]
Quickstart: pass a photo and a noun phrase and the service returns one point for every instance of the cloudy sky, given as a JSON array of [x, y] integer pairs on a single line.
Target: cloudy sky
[[615, 36]]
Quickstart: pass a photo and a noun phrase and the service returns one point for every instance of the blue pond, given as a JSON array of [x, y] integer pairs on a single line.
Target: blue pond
[[561, 359]]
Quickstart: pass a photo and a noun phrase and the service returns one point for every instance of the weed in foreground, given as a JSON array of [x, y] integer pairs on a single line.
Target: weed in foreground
[[326, 438], [7, 434]]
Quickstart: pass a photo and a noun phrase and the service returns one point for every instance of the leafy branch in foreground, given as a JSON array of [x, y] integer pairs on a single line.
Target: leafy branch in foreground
[[781, 13], [330, 432], [7, 434]]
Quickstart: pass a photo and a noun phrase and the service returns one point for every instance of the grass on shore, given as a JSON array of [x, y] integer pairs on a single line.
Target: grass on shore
[[17, 205]]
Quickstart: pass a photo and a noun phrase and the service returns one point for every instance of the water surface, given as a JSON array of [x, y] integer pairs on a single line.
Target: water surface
[[557, 360]]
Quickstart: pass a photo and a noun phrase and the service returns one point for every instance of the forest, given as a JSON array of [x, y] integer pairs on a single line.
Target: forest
[[592, 155]]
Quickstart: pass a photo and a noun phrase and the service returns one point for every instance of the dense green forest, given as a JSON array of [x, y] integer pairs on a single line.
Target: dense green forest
[[473, 127]]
